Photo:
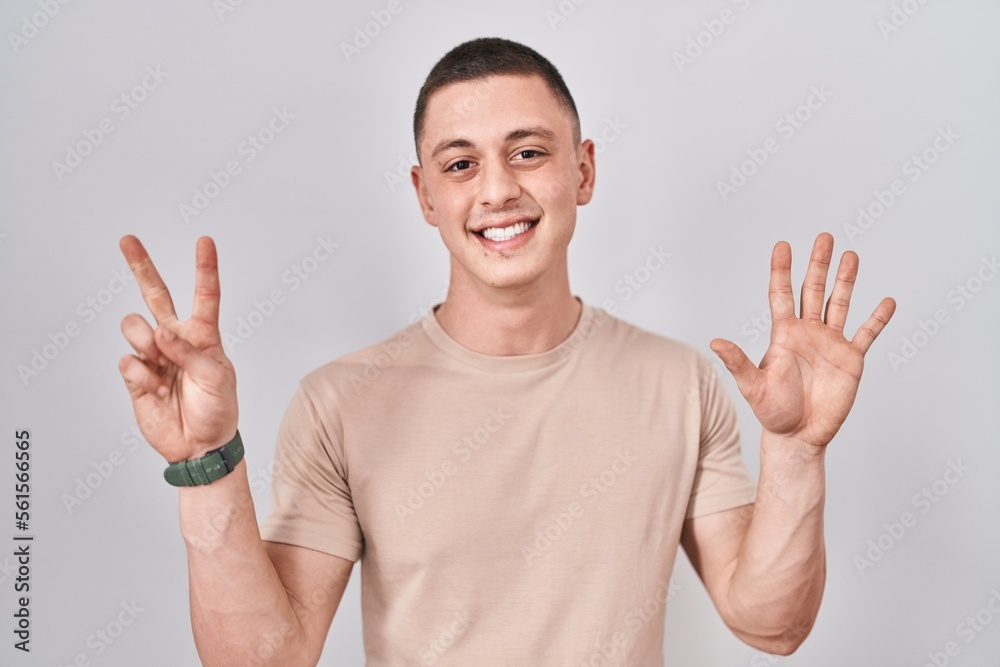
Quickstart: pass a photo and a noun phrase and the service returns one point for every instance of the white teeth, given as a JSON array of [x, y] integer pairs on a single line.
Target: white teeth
[[506, 233]]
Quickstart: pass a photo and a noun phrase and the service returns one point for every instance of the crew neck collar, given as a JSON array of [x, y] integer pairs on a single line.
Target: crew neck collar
[[515, 362]]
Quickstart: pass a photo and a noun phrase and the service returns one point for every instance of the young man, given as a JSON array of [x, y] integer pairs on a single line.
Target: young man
[[516, 471]]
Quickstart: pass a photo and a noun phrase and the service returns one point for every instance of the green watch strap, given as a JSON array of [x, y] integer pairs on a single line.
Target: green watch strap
[[210, 467]]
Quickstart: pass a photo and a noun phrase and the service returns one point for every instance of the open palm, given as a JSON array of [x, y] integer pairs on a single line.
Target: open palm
[[808, 378], [183, 387]]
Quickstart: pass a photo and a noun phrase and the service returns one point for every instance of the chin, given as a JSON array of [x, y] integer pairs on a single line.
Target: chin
[[510, 277]]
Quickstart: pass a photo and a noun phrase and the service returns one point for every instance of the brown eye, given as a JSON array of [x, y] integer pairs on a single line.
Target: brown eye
[[528, 154]]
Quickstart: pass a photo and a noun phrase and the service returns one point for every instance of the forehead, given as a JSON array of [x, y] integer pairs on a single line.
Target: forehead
[[483, 109]]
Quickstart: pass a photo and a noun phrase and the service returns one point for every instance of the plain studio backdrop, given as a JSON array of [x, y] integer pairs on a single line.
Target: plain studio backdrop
[[283, 130]]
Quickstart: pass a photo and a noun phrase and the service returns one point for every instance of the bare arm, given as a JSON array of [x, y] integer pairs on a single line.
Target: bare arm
[[252, 602], [765, 564]]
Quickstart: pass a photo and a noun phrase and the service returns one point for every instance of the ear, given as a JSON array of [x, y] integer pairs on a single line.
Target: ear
[[423, 197], [585, 155]]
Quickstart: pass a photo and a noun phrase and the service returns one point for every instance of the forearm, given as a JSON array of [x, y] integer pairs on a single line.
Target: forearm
[[778, 578], [240, 611]]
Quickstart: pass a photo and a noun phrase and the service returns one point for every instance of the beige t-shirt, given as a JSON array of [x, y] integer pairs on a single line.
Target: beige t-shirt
[[508, 510]]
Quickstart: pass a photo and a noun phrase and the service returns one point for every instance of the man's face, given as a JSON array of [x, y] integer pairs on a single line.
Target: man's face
[[501, 178]]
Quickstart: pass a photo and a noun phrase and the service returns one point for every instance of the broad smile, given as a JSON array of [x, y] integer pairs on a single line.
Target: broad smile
[[507, 236]]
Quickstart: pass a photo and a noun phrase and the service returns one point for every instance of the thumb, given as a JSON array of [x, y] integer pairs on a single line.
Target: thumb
[[182, 353], [743, 370]]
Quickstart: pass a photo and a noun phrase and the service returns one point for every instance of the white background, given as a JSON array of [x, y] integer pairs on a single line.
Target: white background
[[331, 173]]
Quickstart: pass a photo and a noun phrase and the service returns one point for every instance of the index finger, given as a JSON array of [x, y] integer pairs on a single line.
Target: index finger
[[779, 290], [154, 291], [206, 282]]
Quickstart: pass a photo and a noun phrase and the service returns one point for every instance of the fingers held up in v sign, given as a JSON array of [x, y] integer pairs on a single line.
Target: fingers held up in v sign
[[155, 292], [183, 387], [149, 363]]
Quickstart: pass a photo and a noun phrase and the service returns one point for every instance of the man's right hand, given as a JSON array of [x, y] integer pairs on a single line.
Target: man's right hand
[[183, 386]]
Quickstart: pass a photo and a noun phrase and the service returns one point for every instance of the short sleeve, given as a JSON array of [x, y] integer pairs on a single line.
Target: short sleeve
[[311, 499], [721, 480]]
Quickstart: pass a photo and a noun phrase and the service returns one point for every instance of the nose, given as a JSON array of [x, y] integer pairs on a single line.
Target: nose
[[497, 185]]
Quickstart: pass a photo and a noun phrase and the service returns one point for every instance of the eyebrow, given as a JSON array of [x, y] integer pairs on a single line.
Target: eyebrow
[[525, 133], [513, 135]]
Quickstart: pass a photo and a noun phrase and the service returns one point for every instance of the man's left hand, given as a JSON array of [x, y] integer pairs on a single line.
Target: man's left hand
[[808, 378]]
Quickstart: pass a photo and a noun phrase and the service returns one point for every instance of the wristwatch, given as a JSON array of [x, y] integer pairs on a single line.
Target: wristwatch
[[210, 467]]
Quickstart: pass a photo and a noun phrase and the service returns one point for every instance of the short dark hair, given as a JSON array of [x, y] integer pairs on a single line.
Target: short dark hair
[[485, 57]]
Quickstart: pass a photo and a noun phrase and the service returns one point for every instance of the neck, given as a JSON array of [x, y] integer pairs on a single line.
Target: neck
[[526, 319]]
